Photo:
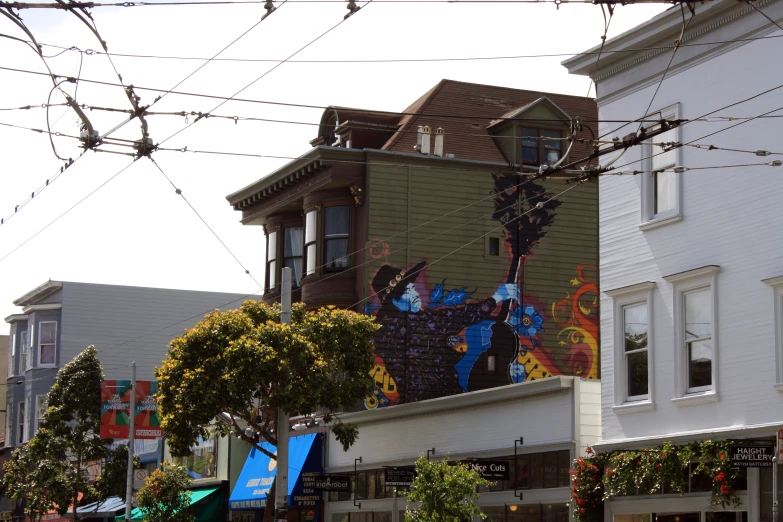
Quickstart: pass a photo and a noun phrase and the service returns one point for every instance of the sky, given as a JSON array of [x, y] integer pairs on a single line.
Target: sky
[[134, 229]]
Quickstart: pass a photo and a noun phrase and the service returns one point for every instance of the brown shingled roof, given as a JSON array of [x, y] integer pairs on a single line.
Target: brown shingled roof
[[480, 105]]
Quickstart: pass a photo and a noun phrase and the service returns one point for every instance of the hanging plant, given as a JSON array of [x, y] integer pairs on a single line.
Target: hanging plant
[[665, 469]]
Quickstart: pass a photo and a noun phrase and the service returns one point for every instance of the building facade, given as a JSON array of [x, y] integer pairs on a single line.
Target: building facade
[[430, 220], [691, 273], [59, 319]]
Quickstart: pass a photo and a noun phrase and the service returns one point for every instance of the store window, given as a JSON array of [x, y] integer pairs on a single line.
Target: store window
[[727, 516], [202, 461], [337, 225]]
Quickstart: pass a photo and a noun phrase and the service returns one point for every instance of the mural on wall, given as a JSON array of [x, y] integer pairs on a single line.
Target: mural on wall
[[441, 339]]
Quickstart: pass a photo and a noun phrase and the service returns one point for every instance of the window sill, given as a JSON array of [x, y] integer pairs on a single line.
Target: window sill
[[659, 222], [633, 407], [778, 386], [696, 398]]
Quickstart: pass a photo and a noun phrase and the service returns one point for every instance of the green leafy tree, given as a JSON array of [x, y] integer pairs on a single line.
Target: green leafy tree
[[33, 476], [114, 473], [246, 364], [447, 492], [164, 496], [52, 469]]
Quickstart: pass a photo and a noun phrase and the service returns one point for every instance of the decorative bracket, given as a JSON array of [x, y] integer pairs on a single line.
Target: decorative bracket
[[517, 443], [430, 452], [356, 483]]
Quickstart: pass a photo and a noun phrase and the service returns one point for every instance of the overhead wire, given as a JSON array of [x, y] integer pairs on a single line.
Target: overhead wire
[[178, 191], [91, 52]]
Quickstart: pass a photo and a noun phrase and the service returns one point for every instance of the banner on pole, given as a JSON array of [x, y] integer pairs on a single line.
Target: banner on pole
[[115, 410]]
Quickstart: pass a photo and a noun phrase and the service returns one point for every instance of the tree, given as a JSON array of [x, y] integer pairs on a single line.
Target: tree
[[114, 473], [447, 492], [246, 364], [33, 476], [52, 470], [164, 496]]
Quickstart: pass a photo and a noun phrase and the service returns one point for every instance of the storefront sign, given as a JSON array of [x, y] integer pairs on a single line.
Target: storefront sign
[[752, 456], [400, 476], [490, 469], [340, 483]]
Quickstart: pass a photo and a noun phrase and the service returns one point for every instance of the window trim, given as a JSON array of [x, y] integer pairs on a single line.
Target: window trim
[[26, 429], [9, 422], [28, 353], [307, 269], [283, 230], [640, 293], [267, 272], [777, 309], [682, 283], [321, 237], [20, 415], [38, 351], [45, 397], [649, 220], [12, 356]]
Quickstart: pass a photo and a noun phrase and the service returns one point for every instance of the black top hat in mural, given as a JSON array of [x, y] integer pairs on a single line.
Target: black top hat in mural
[[390, 281]]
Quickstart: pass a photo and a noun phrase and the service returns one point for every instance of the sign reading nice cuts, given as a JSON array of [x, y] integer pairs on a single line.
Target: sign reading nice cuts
[[115, 410], [752, 456], [490, 469]]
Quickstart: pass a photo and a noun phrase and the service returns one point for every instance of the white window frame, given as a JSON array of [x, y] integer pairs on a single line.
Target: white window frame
[[12, 356], [640, 293], [9, 423], [311, 264], [682, 284], [38, 351], [272, 261], [20, 413], [26, 437], [37, 419], [649, 220], [26, 361], [777, 309]]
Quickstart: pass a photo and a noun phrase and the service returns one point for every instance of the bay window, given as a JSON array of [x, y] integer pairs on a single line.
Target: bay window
[[336, 237], [26, 360]]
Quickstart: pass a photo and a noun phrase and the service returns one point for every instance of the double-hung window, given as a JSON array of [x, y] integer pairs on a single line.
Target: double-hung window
[[26, 361], [695, 334], [633, 353], [292, 253], [311, 237], [661, 184], [537, 150], [337, 226], [9, 422], [777, 310], [12, 356], [41, 403], [26, 420], [20, 418], [271, 260], [47, 343]]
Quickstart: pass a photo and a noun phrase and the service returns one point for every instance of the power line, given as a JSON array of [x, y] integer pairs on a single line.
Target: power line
[[679, 169], [180, 194], [91, 52]]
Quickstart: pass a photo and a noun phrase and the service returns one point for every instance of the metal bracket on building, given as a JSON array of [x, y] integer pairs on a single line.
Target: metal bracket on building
[[517, 443], [430, 452], [356, 483]]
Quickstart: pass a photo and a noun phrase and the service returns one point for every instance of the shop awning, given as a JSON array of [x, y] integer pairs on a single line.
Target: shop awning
[[259, 472], [196, 495], [107, 508]]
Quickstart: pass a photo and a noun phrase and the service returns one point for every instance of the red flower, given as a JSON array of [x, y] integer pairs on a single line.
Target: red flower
[[581, 511], [663, 454], [589, 450], [722, 456], [620, 456], [580, 502], [657, 466], [720, 477], [724, 488]]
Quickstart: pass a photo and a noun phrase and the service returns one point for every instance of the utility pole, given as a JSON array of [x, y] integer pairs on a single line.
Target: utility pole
[[131, 433], [775, 464], [281, 481]]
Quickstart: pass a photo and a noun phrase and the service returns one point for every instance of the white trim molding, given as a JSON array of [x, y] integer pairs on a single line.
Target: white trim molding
[[41, 307], [640, 293], [777, 309], [649, 219], [704, 278]]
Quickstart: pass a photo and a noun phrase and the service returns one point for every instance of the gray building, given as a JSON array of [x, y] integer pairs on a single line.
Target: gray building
[[59, 319]]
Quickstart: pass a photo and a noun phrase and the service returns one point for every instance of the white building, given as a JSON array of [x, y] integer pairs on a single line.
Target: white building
[[555, 419], [691, 262]]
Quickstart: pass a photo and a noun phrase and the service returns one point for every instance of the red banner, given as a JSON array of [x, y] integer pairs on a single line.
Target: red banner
[[115, 410]]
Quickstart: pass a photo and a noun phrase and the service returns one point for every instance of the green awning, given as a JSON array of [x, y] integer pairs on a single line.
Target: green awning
[[196, 495]]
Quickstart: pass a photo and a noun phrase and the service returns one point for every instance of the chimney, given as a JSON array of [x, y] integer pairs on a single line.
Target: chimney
[[417, 148], [439, 141], [425, 140]]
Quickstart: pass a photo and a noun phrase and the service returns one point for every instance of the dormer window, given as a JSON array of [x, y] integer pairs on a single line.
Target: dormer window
[[537, 150]]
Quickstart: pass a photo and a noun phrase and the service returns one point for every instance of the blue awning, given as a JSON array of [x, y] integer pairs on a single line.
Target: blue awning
[[259, 472]]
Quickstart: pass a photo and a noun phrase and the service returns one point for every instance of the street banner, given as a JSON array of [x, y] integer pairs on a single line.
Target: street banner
[[115, 410]]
